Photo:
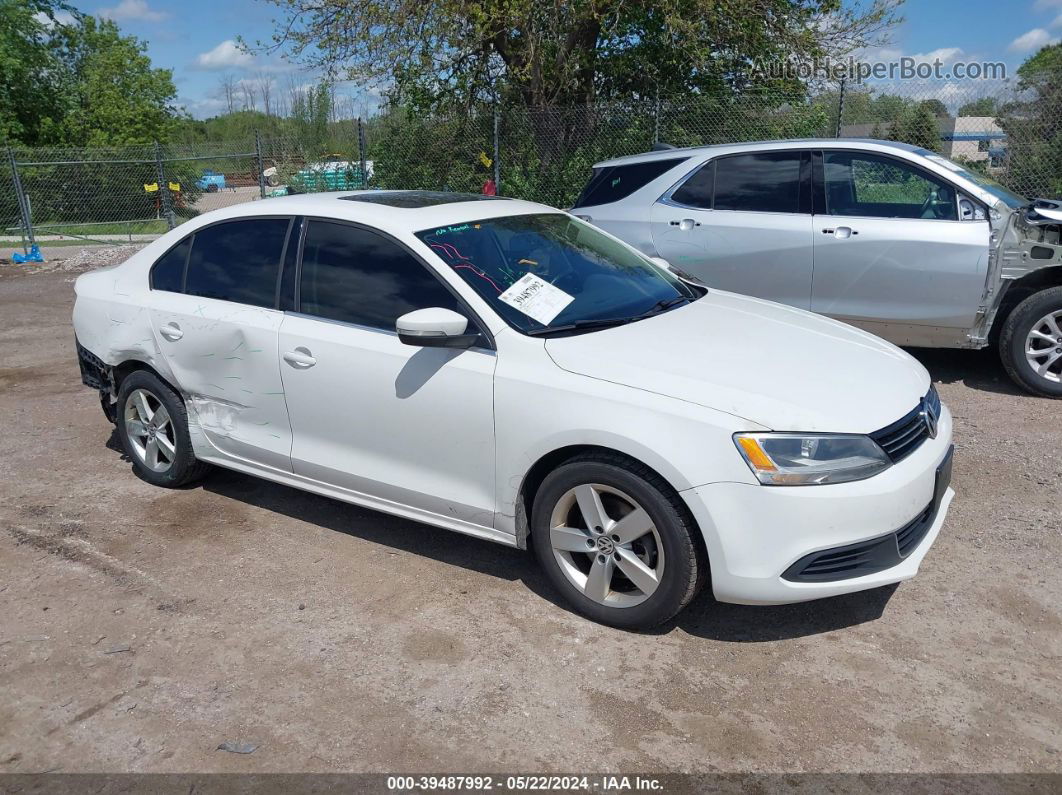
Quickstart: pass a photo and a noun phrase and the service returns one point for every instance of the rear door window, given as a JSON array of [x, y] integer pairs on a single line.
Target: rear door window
[[612, 183], [238, 261], [762, 182]]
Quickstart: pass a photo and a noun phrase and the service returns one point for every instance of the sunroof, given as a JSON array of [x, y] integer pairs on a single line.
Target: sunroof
[[411, 200]]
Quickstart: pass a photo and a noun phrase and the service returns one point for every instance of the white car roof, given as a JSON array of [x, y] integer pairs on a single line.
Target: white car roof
[[793, 143], [391, 210]]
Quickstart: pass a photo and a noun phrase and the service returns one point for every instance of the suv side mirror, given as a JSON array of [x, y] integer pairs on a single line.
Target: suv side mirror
[[435, 328], [968, 211]]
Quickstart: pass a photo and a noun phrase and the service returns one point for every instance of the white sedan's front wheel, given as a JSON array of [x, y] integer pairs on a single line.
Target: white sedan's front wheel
[[617, 541]]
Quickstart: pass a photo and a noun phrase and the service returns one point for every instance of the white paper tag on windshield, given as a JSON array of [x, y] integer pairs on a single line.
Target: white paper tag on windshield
[[536, 298]]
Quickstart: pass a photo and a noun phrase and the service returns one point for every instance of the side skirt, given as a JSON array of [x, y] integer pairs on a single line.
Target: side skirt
[[363, 500]]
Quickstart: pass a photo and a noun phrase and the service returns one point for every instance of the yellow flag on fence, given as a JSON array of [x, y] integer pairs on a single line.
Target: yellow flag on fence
[[151, 187], [486, 161], [175, 186]]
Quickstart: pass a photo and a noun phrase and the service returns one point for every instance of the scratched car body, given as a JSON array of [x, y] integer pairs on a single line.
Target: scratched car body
[[503, 369]]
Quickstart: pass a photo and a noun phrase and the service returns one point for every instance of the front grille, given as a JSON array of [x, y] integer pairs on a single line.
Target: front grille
[[906, 435]]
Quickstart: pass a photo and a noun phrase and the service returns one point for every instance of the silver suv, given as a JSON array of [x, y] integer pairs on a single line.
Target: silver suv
[[888, 237]]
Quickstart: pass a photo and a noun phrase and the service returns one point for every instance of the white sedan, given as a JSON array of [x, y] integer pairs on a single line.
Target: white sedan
[[502, 369]]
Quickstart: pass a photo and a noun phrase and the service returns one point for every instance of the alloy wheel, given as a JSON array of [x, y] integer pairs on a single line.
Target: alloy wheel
[[150, 430], [606, 545], [1043, 347]]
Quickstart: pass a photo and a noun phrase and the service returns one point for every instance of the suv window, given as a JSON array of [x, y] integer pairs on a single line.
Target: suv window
[[168, 271], [237, 261], [763, 182], [612, 183], [358, 276], [873, 186]]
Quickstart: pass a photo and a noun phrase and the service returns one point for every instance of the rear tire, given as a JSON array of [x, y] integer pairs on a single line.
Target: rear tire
[[153, 428], [617, 541], [1030, 344]]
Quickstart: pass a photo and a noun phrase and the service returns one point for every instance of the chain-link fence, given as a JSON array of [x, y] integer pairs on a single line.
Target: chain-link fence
[[134, 193]]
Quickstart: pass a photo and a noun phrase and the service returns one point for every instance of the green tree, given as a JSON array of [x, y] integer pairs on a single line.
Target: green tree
[[1033, 125], [113, 94], [67, 78], [935, 107], [985, 106], [541, 55], [917, 126], [30, 102]]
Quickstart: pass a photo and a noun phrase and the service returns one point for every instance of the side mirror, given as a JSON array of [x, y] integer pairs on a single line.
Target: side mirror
[[968, 211], [435, 328]]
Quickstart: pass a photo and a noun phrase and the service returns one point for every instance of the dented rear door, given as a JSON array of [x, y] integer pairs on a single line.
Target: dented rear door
[[221, 343]]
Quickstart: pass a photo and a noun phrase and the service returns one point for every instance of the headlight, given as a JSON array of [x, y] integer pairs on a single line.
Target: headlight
[[796, 459]]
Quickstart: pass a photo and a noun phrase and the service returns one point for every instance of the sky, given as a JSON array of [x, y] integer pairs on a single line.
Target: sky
[[196, 39]]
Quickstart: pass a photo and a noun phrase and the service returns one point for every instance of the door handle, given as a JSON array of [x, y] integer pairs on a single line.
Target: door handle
[[171, 331], [300, 357], [841, 232], [685, 224]]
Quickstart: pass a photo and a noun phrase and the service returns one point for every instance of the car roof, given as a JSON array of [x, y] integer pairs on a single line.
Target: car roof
[[393, 210], [720, 149]]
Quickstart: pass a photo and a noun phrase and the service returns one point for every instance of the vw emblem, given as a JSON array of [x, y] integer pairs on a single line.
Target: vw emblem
[[930, 418]]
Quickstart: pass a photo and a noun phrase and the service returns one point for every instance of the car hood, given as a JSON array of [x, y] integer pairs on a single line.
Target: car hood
[[782, 368]]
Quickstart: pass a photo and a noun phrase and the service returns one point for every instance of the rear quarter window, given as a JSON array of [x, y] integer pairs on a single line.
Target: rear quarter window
[[612, 183], [168, 271]]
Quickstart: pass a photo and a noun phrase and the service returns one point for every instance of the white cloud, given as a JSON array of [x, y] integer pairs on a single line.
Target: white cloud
[[1040, 5], [944, 55], [1058, 22], [225, 56], [1033, 40], [203, 108], [133, 9], [61, 17]]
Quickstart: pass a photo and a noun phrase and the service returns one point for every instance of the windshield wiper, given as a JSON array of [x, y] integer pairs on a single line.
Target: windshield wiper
[[662, 306], [578, 325], [604, 322]]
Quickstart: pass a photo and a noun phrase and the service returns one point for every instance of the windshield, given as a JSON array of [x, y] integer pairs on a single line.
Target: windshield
[[551, 272], [985, 182]]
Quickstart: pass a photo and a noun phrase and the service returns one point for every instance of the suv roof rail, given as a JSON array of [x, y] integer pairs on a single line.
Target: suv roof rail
[[660, 146]]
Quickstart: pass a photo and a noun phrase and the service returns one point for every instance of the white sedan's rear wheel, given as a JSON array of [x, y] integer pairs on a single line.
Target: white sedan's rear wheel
[[153, 427]]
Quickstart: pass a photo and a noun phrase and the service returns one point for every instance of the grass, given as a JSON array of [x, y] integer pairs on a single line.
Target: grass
[[115, 229]]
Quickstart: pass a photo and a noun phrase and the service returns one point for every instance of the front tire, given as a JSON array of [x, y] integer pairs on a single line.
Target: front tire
[[617, 541], [1030, 344], [153, 428]]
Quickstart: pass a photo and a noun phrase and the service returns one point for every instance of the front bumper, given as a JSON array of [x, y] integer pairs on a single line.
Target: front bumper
[[756, 535]]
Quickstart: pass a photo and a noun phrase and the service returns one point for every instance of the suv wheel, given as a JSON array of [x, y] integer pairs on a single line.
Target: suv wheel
[[153, 427], [1031, 343], [617, 541]]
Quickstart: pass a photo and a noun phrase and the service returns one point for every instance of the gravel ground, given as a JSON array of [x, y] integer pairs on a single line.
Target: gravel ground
[[142, 628]]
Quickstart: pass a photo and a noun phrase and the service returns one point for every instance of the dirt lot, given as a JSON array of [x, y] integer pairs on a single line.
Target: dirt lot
[[141, 628]]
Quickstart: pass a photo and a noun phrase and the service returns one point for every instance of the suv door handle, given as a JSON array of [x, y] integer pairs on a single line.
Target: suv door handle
[[685, 224], [841, 232], [171, 331], [300, 357]]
